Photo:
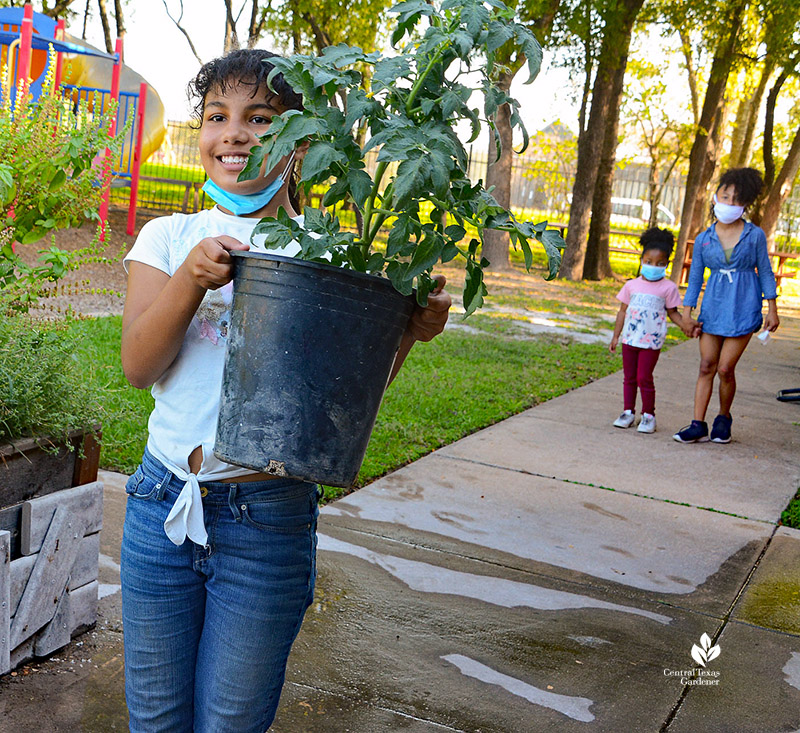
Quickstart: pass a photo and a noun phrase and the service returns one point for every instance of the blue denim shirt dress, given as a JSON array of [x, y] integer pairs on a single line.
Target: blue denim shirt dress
[[735, 290]]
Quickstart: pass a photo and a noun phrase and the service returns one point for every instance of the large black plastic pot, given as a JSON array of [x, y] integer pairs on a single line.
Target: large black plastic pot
[[310, 350]]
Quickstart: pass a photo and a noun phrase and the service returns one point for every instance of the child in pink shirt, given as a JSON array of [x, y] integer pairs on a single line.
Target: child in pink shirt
[[646, 302]]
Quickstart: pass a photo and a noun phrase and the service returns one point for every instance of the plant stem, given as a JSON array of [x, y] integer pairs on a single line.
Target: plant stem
[[419, 82], [369, 209]]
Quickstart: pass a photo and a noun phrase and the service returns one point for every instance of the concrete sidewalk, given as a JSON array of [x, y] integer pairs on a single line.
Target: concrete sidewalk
[[550, 573]]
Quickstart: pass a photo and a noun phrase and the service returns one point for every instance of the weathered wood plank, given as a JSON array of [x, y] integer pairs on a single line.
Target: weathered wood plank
[[5, 602], [49, 575], [10, 518], [83, 571], [83, 607], [85, 502], [22, 653], [57, 633], [27, 470]]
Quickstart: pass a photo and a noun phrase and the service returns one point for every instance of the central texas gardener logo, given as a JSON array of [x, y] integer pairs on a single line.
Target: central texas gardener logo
[[705, 652]]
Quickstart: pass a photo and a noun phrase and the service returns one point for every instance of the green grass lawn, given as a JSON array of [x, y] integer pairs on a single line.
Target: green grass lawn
[[447, 389]]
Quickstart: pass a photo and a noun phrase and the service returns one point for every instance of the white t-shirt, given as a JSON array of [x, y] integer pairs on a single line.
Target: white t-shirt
[[187, 394]]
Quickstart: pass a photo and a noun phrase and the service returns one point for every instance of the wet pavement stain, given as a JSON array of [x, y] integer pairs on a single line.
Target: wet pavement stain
[[604, 512]]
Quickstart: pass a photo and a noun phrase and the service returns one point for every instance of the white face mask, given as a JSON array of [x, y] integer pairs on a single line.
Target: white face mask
[[727, 213]]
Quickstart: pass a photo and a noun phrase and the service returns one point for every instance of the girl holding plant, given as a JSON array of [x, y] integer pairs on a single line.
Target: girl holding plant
[[209, 622]]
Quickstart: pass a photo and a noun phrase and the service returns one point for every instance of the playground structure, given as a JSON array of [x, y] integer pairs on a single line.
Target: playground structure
[[90, 77]]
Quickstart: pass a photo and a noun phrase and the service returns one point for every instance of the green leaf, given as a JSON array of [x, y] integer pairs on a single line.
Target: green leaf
[[499, 33], [58, 180], [474, 14], [375, 262], [474, 287], [553, 244], [455, 232], [336, 192], [356, 258], [389, 70], [319, 159], [360, 186], [396, 272], [400, 234], [410, 179], [426, 255]]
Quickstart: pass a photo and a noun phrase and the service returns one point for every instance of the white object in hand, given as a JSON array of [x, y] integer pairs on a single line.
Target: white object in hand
[[763, 337]]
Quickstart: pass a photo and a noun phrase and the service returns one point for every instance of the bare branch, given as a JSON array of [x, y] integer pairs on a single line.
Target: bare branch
[[182, 29]]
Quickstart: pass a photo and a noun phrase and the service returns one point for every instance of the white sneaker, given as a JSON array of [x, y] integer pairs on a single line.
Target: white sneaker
[[625, 420], [647, 424]]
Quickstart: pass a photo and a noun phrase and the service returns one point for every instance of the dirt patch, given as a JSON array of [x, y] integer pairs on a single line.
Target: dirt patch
[[98, 286]]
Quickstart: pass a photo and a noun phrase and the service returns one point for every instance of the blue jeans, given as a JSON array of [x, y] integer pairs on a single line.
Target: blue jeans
[[208, 630]]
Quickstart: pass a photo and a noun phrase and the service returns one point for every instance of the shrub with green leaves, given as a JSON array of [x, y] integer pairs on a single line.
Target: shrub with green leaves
[[412, 104], [43, 392], [50, 178]]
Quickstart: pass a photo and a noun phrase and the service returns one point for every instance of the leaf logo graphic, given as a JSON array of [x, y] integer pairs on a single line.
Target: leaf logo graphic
[[705, 652]]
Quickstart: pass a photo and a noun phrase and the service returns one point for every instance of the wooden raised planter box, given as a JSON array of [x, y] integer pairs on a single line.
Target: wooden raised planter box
[[51, 512]]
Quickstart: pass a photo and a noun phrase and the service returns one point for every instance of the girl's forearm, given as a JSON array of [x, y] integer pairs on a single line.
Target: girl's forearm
[[402, 352], [772, 305], [153, 339]]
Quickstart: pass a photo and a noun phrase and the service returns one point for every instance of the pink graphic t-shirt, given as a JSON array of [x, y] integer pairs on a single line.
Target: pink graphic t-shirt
[[646, 318]]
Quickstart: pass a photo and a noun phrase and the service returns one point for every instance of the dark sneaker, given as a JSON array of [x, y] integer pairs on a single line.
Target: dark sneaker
[[697, 432], [721, 431]]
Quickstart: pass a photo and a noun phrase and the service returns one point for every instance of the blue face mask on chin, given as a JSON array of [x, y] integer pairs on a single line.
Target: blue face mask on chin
[[653, 273], [243, 204]]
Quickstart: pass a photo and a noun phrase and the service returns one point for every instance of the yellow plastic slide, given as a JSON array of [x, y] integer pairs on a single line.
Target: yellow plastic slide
[[90, 71]]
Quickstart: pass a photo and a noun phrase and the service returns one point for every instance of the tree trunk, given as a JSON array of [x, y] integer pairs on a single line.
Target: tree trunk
[[231, 38], [85, 19], [715, 92], [780, 190], [119, 18], [652, 187], [701, 209], [691, 73], [256, 26], [750, 124], [106, 27], [597, 264], [613, 53], [498, 174]]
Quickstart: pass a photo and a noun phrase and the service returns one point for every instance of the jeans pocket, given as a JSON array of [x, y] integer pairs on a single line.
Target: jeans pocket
[[285, 515], [140, 486]]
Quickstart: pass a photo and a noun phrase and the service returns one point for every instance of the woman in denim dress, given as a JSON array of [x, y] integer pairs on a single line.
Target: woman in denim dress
[[735, 251]]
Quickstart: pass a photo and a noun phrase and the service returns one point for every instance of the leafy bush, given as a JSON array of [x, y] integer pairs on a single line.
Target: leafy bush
[[43, 393], [413, 103], [50, 178]]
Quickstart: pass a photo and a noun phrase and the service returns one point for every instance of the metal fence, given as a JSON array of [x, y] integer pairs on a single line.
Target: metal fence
[[172, 177]]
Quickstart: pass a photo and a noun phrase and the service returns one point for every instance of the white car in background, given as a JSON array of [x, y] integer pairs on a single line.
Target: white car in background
[[636, 211]]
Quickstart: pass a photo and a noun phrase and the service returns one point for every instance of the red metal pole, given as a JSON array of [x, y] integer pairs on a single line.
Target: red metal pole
[[60, 30], [25, 46], [137, 158], [112, 129]]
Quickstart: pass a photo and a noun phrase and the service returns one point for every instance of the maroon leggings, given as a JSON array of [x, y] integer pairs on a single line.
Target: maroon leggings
[[637, 366]]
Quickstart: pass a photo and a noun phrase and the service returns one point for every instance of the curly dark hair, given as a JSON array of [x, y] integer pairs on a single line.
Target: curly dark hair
[[661, 239], [250, 67], [746, 182]]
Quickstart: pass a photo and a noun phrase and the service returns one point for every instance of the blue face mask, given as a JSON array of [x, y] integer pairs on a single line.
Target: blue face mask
[[653, 273], [242, 204]]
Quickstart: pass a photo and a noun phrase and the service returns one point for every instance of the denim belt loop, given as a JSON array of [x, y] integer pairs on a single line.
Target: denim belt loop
[[162, 485], [237, 514]]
